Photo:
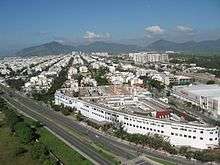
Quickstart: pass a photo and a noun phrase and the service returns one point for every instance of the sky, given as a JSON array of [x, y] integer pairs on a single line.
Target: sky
[[25, 23]]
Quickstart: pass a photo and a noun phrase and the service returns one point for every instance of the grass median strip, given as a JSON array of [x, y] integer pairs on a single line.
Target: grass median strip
[[66, 154], [97, 147], [161, 161]]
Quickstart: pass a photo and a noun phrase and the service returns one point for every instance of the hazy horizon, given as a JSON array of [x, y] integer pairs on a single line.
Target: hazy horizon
[[27, 23]]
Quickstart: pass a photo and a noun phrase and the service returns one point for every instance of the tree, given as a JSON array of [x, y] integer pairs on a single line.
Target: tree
[[210, 82], [24, 132], [156, 84], [65, 111], [189, 154], [37, 124], [12, 118], [198, 155], [15, 83], [39, 151], [56, 107], [79, 116], [183, 150]]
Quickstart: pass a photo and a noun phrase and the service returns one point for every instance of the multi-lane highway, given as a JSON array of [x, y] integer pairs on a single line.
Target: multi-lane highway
[[61, 125]]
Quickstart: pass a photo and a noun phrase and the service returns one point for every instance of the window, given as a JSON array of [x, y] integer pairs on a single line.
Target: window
[[201, 131], [143, 127], [189, 136], [176, 134], [172, 133], [185, 136], [133, 125], [181, 135], [162, 132], [151, 129], [210, 139], [201, 138], [147, 128], [140, 126], [216, 138], [194, 137]]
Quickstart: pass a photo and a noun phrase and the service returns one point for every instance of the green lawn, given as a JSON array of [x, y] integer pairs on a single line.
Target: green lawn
[[8, 146], [66, 154]]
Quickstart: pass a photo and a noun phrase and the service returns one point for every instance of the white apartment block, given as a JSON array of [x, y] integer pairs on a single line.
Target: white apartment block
[[145, 57]]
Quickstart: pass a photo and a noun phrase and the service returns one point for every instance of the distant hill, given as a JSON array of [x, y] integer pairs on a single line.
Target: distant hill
[[52, 48], [108, 47], [55, 48], [189, 46]]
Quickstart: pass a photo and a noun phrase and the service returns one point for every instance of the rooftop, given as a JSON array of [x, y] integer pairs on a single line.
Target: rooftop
[[211, 91], [127, 99]]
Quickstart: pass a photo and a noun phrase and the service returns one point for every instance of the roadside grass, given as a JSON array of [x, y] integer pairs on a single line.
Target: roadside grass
[[162, 161], [66, 154], [1, 116], [97, 147], [9, 144], [105, 153]]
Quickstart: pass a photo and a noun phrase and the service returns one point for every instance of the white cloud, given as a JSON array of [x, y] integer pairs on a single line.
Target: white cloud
[[60, 41], [93, 35], [154, 30], [184, 28]]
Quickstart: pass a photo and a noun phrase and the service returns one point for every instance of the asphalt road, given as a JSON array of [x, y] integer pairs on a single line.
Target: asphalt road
[[95, 157], [57, 122]]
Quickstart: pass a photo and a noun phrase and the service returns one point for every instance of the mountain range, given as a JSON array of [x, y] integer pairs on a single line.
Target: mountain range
[[55, 48]]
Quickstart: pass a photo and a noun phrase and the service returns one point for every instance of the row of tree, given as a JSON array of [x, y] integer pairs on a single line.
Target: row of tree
[[100, 75], [202, 155], [159, 143], [48, 96], [151, 140], [63, 109]]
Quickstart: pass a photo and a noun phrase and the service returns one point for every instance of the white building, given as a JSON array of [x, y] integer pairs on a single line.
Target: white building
[[205, 96], [145, 57], [83, 69], [132, 109]]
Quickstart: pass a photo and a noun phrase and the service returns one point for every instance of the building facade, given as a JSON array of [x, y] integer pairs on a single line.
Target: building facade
[[179, 134]]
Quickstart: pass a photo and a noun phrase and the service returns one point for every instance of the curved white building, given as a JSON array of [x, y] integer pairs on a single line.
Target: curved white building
[[140, 114]]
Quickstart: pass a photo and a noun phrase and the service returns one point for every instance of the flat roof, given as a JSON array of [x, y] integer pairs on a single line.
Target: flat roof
[[211, 91], [140, 108], [110, 90]]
